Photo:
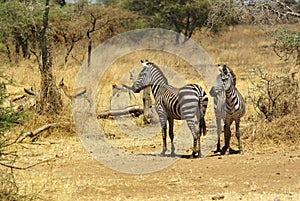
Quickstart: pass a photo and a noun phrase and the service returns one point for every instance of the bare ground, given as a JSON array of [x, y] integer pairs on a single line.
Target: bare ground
[[72, 174]]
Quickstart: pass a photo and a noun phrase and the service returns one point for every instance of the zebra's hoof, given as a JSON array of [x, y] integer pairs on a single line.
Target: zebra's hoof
[[217, 151], [194, 154], [225, 150], [163, 152], [172, 154]]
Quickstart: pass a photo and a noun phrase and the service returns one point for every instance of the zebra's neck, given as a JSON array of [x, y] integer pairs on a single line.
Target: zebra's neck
[[158, 80], [156, 88], [232, 98]]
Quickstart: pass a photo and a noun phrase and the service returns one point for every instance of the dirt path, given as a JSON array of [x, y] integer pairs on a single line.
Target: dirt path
[[74, 175]]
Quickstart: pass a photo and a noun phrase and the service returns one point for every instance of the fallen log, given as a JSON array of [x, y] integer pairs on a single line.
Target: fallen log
[[132, 110], [36, 132]]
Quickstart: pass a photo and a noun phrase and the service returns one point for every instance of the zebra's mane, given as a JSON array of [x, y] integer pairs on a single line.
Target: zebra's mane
[[232, 73], [158, 68]]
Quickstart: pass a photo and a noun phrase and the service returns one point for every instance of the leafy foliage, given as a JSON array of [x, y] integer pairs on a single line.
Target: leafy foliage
[[223, 13], [287, 44], [68, 25], [182, 16], [19, 33]]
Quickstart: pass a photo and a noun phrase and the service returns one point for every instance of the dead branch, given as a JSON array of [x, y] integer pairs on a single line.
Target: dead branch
[[123, 88], [39, 130], [132, 110], [30, 91], [17, 98], [25, 168]]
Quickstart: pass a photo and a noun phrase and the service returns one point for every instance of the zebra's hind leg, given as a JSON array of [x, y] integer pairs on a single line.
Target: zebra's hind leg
[[195, 152], [237, 134], [171, 135], [199, 145], [191, 125]]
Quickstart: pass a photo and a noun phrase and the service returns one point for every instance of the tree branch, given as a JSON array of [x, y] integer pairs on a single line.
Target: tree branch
[[25, 168], [39, 130]]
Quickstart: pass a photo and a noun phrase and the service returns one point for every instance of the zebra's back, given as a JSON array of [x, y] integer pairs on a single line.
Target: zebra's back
[[166, 100], [189, 98]]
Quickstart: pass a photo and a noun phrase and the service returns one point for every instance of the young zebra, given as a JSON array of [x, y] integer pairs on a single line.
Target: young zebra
[[184, 103], [234, 107], [217, 91]]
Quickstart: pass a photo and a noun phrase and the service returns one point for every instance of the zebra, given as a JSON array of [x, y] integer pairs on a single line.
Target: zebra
[[234, 107], [218, 93], [184, 103]]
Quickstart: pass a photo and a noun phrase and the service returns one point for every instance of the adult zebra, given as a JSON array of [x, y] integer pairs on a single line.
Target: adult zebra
[[184, 103], [234, 107]]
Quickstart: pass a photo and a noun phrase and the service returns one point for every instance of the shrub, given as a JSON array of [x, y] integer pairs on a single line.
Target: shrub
[[275, 95]]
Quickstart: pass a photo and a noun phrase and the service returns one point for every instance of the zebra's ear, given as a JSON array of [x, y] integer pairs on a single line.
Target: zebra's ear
[[226, 70], [220, 68], [144, 63]]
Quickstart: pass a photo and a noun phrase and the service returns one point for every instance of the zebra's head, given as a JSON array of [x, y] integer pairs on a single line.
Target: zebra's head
[[149, 76], [227, 76], [143, 79]]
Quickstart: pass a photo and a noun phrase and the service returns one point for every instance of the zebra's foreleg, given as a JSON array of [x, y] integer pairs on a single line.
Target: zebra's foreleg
[[171, 135], [219, 131], [227, 133], [163, 122], [237, 134], [164, 138]]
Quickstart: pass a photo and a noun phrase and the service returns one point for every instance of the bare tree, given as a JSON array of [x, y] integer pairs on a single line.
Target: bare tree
[[50, 98], [268, 12]]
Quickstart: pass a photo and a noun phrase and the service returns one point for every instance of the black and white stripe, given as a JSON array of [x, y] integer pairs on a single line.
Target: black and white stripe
[[234, 107], [184, 103]]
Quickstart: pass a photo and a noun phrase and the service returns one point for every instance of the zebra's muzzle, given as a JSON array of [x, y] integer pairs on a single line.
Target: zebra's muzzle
[[135, 90]]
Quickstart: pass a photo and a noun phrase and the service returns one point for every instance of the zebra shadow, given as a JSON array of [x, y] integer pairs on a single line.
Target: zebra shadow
[[186, 156], [230, 152], [190, 156]]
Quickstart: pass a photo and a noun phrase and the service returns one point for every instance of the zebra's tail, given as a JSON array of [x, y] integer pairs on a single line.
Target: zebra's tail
[[203, 100]]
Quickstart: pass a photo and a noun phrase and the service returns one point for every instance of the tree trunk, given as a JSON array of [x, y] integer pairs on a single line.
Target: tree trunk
[[50, 99]]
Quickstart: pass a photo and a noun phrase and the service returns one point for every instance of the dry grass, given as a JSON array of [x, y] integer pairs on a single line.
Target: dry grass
[[243, 48]]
